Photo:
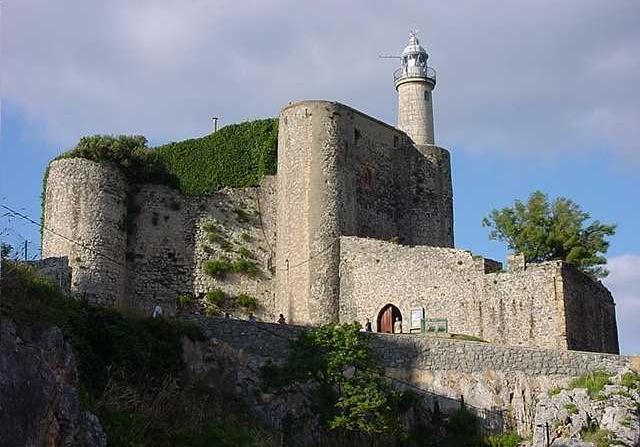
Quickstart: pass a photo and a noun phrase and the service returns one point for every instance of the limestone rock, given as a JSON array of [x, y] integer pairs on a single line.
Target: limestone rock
[[39, 398]]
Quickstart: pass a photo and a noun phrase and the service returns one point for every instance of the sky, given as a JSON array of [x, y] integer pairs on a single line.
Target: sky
[[530, 95]]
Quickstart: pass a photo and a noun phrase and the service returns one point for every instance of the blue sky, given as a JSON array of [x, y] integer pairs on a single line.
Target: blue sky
[[530, 95]]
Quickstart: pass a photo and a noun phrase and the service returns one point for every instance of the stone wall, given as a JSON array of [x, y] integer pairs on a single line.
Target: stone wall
[[167, 247], [139, 246], [505, 380], [341, 172], [589, 313], [522, 306], [55, 269], [85, 214]]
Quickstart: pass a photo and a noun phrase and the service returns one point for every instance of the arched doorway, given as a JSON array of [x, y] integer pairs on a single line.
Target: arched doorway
[[387, 317]]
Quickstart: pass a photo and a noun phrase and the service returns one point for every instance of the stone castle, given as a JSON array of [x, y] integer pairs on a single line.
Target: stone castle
[[357, 224]]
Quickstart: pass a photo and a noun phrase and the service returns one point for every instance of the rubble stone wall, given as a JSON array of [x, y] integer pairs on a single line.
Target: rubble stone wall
[[522, 306]]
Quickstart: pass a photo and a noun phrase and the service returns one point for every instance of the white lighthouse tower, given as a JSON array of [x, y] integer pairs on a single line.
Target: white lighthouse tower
[[414, 82]]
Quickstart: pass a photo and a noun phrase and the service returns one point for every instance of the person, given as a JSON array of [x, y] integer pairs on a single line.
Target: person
[[367, 326], [226, 315], [397, 326], [157, 311], [252, 317], [281, 319]]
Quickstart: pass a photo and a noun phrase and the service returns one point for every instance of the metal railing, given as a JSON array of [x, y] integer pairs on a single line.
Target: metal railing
[[413, 72]]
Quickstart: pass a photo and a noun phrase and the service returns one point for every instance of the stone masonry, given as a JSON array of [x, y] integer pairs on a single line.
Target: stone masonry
[[358, 218], [139, 246], [341, 172], [526, 307]]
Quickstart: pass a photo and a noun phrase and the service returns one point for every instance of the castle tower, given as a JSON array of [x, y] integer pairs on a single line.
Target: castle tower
[[414, 81]]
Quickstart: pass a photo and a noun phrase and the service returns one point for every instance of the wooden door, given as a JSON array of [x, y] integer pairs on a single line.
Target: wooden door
[[385, 324]]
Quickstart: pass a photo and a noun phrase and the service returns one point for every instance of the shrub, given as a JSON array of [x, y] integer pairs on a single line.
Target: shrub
[[245, 253], [185, 300], [571, 408], [246, 237], [244, 265], [593, 382], [246, 302], [218, 267], [554, 391], [216, 297], [509, 439], [360, 402], [630, 380]]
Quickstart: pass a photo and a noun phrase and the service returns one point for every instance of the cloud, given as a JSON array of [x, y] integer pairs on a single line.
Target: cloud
[[514, 76], [624, 283]]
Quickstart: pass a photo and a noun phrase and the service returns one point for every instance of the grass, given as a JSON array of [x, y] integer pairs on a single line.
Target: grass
[[246, 302], [631, 380], [571, 408], [218, 267], [130, 370], [245, 253], [553, 391], [185, 300], [508, 439], [593, 382], [216, 297], [599, 436]]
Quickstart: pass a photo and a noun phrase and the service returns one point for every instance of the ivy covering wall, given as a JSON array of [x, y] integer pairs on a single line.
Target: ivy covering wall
[[236, 156]]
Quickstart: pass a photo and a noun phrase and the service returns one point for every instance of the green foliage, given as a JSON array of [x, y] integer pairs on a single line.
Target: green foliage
[[631, 380], [246, 266], [5, 250], [593, 382], [351, 394], [185, 300], [554, 391], [509, 439], [130, 369], [103, 339], [246, 302], [235, 156], [216, 297], [246, 237], [599, 436], [463, 429], [544, 231], [218, 267], [245, 253], [571, 408]]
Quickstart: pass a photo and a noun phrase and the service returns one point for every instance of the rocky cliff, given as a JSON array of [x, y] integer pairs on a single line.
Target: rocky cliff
[[39, 395]]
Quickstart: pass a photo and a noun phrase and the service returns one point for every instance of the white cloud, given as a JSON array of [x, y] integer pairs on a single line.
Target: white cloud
[[513, 76], [624, 283]]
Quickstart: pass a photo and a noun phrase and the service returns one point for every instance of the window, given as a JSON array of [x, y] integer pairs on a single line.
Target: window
[[426, 96], [396, 140]]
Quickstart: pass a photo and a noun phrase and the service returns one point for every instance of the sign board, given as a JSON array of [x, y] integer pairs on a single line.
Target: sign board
[[417, 317]]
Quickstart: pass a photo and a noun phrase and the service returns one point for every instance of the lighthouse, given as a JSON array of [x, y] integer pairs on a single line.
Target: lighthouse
[[415, 81]]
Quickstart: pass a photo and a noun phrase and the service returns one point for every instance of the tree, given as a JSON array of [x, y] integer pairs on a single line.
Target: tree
[[543, 231], [5, 250]]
